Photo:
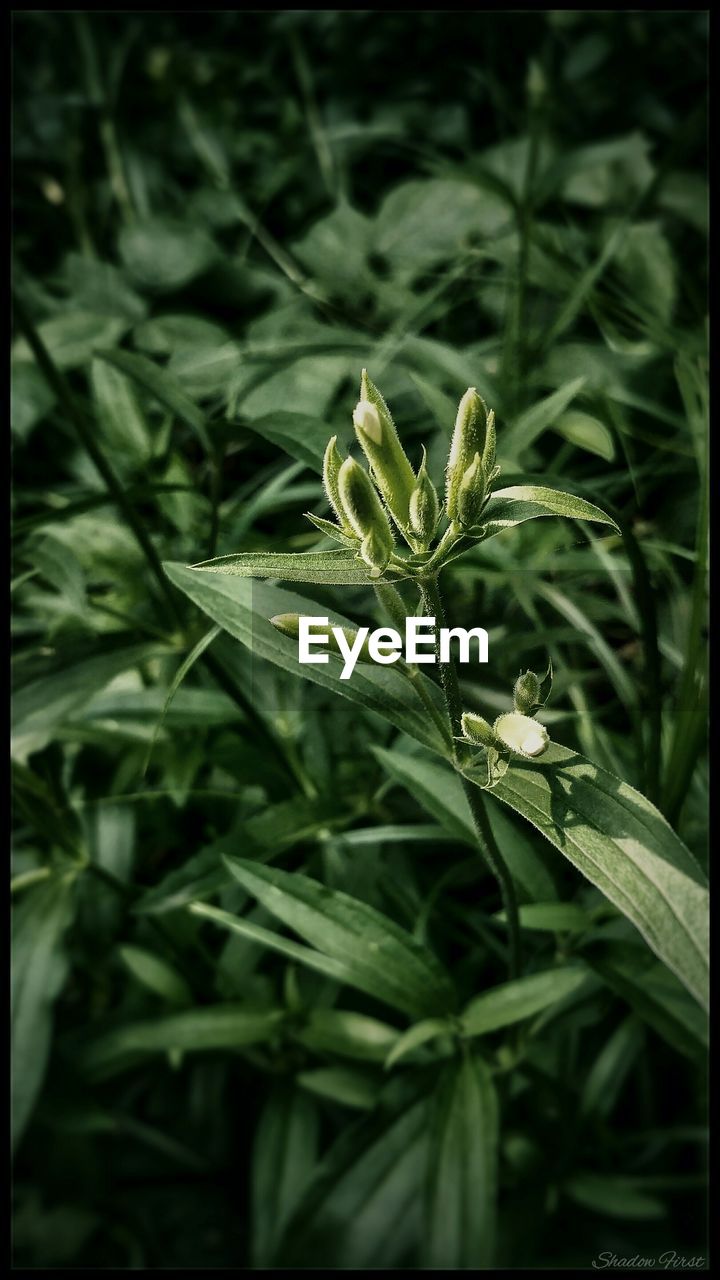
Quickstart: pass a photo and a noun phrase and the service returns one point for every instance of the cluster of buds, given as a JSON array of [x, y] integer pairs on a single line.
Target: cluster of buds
[[372, 507], [515, 733]]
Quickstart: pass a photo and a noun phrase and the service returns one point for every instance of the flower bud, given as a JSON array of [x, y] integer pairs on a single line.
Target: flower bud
[[530, 692], [365, 513], [521, 734], [477, 730], [378, 438], [366, 420], [471, 495], [488, 453], [288, 624], [469, 438], [332, 463], [526, 692], [424, 505], [376, 552]]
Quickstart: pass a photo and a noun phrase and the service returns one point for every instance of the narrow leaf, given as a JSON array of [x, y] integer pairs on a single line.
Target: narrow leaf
[[522, 998], [508, 507], [377, 955], [335, 568], [214, 1027], [362, 1210], [39, 967], [284, 1155], [242, 608], [531, 424], [462, 1168], [416, 1036], [162, 385], [625, 847]]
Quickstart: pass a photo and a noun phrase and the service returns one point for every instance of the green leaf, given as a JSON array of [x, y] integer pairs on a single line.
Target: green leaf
[[531, 424], [38, 970], [242, 607], [462, 1168], [508, 507], [439, 790], [196, 1030], [334, 568], [614, 1196], [362, 1209], [609, 1070], [429, 220], [30, 398], [42, 704], [299, 434], [156, 974], [349, 1034], [655, 995], [162, 385], [121, 420], [587, 432], [624, 846], [416, 1036], [72, 337], [284, 1156], [346, 1085], [163, 254], [374, 953], [522, 998]]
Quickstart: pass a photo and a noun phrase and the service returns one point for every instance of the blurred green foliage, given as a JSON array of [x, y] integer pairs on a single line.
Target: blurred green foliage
[[219, 219]]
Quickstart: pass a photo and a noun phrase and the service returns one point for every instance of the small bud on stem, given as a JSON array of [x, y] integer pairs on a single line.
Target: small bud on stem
[[469, 439], [365, 513], [379, 440], [424, 505]]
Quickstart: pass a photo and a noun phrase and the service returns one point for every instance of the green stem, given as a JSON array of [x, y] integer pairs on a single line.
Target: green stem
[[416, 678], [394, 605], [432, 601]]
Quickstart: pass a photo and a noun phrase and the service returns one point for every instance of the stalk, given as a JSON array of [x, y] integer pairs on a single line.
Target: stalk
[[433, 603], [394, 605]]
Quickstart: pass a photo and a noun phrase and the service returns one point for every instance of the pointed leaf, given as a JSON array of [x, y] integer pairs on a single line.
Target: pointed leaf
[[531, 424], [212, 1027], [334, 568], [378, 956], [284, 1154], [625, 847], [416, 1036], [362, 1209], [522, 998], [39, 967], [349, 1034], [162, 385], [508, 507], [243, 607], [462, 1168]]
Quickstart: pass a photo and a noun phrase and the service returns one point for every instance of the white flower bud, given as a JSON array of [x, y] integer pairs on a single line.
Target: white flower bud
[[367, 419], [521, 734]]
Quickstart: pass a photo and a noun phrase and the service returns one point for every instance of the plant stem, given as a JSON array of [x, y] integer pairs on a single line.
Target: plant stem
[[394, 605], [432, 601]]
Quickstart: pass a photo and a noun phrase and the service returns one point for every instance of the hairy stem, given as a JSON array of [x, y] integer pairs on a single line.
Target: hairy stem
[[394, 605], [433, 604]]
